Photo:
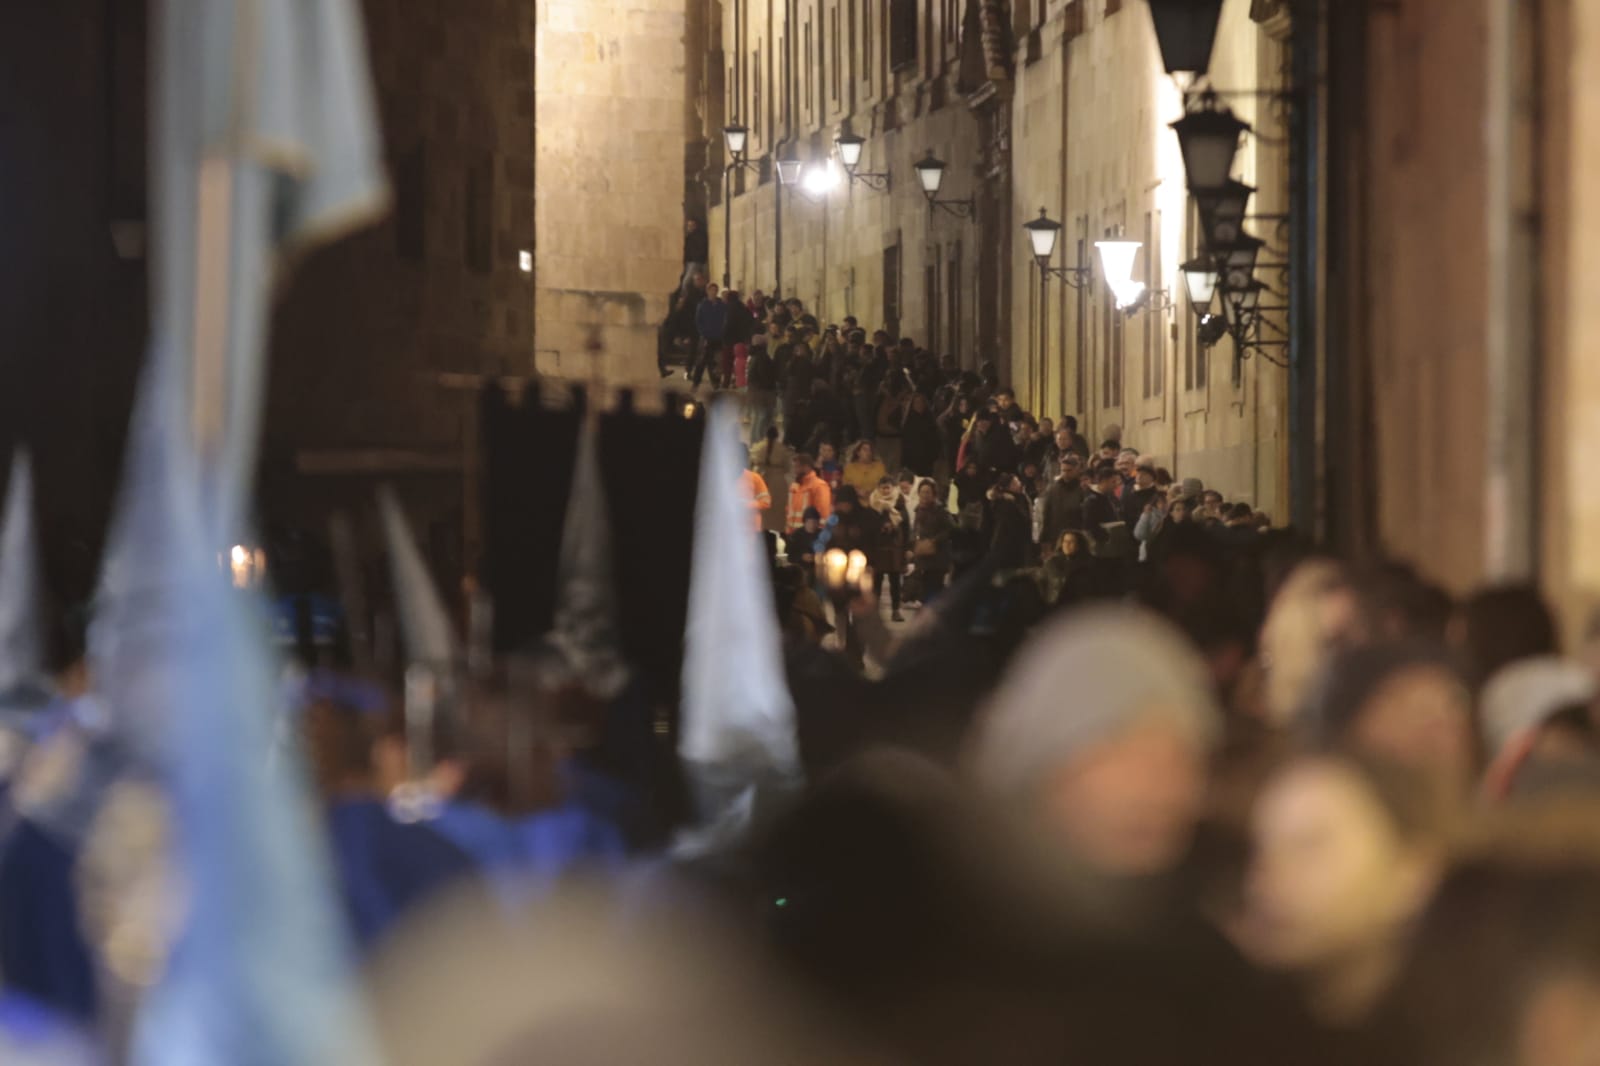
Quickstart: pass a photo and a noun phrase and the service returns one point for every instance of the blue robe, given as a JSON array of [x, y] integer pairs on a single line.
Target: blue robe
[[42, 951], [32, 1035], [524, 857], [386, 867]]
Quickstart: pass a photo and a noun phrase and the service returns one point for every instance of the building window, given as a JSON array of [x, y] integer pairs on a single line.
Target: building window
[[411, 203], [784, 86], [1022, 17], [479, 244], [930, 303], [1196, 356], [811, 59], [902, 34], [866, 43], [891, 288], [952, 337], [1111, 351], [833, 22]]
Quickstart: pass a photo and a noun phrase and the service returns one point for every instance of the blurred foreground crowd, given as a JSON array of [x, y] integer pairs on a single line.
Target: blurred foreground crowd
[[1203, 795]]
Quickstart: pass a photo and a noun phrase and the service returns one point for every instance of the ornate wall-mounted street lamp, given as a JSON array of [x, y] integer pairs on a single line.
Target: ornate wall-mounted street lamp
[[1042, 235], [1237, 264], [1186, 31], [736, 138], [1209, 139], [1223, 212], [930, 173], [849, 147], [1200, 279], [1116, 263], [788, 166]]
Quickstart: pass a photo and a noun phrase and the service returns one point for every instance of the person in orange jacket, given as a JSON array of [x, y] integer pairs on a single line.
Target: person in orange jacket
[[808, 490], [755, 491]]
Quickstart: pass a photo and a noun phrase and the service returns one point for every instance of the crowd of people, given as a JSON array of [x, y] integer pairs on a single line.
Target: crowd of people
[[1144, 782], [879, 445]]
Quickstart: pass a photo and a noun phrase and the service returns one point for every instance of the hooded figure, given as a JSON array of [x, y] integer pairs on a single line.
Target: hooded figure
[[24, 688], [738, 740], [584, 638]]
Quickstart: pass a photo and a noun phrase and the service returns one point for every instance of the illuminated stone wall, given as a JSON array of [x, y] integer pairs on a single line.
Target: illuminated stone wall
[[1090, 117], [609, 192]]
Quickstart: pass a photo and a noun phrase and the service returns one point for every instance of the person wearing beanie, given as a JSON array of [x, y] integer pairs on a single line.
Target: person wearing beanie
[[1101, 731], [1535, 715], [800, 544]]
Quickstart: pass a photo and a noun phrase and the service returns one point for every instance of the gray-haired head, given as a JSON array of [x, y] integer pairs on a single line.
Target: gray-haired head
[[1083, 681]]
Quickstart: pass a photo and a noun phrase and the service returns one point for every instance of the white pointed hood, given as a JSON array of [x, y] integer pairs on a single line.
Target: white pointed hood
[[22, 669], [584, 632], [738, 715], [424, 622]]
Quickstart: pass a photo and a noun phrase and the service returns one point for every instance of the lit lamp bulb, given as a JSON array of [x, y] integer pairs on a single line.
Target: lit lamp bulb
[[834, 565]]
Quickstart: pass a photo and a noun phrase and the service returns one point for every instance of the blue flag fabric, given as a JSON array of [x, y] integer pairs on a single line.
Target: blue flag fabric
[[265, 133], [259, 972]]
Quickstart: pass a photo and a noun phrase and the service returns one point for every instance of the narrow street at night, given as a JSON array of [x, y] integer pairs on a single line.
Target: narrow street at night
[[799, 533]]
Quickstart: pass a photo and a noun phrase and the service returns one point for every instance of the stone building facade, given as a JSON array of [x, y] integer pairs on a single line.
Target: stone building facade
[[1060, 104], [533, 231], [611, 128], [376, 336], [1463, 136], [911, 78]]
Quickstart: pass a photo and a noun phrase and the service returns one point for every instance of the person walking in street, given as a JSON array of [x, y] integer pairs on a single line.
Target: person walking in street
[[808, 490], [864, 469], [761, 395], [1100, 506], [801, 543], [1143, 493], [829, 468], [696, 249], [931, 529], [1061, 506], [774, 461], [754, 487], [920, 442], [739, 328], [711, 322], [888, 559]]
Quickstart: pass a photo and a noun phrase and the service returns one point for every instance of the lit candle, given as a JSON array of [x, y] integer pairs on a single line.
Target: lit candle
[[834, 565], [239, 565], [858, 566]]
